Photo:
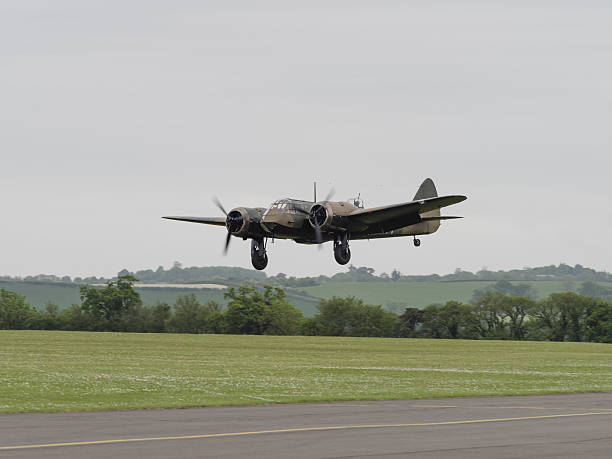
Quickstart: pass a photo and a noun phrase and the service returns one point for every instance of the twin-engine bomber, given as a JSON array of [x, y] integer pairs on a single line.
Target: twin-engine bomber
[[316, 222]]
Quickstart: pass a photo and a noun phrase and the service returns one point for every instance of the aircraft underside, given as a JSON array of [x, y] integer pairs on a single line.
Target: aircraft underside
[[340, 239]]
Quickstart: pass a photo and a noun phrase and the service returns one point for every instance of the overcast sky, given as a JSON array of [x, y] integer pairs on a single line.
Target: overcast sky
[[114, 113]]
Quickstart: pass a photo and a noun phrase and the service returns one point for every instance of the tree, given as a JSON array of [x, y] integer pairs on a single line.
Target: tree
[[335, 315], [432, 328], [562, 316], [361, 274], [599, 323], [351, 317], [50, 318], [514, 310], [373, 320], [134, 319], [311, 326], [15, 312], [546, 322], [250, 311], [574, 310], [245, 311], [408, 321], [396, 275], [157, 317], [489, 316], [106, 306], [451, 320], [281, 318], [190, 316], [75, 317], [216, 323]]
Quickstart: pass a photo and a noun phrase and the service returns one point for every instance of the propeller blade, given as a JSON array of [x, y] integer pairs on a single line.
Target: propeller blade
[[228, 238], [330, 195], [318, 235], [317, 228], [219, 205]]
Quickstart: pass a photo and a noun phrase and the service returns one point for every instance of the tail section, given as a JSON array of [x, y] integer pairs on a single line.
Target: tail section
[[426, 190]]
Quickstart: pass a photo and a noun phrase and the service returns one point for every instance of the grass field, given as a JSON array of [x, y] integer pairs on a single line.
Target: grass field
[[417, 294], [67, 371]]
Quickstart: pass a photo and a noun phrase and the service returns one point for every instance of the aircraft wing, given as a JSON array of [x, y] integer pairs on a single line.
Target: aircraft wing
[[219, 221], [438, 218], [404, 214]]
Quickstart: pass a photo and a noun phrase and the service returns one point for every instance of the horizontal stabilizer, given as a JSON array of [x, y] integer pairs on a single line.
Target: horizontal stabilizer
[[381, 214], [219, 221]]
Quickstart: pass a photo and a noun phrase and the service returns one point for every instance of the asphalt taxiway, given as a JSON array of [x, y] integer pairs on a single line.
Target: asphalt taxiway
[[555, 426]]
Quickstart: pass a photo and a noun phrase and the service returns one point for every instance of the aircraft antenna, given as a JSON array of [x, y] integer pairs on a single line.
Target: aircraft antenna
[[315, 191]]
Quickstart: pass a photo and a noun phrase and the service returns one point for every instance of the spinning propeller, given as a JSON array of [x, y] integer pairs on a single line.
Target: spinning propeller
[[318, 214], [233, 223]]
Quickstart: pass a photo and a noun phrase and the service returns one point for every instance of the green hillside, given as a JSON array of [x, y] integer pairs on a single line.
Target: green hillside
[[39, 293], [394, 296], [417, 294]]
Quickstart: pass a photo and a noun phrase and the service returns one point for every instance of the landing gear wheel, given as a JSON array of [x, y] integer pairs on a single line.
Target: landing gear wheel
[[342, 256], [342, 253], [260, 263], [259, 257], [417, 242]]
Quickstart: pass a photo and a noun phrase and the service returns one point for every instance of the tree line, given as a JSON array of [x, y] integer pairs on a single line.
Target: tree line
[[492, 315]]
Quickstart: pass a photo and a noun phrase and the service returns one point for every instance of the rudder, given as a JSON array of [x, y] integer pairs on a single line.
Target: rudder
[[426, 190]]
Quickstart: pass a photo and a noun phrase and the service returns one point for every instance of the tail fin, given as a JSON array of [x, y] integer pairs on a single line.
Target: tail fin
[[426, 190]]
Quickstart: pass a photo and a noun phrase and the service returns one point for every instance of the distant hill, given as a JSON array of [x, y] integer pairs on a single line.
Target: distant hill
[[393, 291], [228, 275], [397, 296], [38, 294]]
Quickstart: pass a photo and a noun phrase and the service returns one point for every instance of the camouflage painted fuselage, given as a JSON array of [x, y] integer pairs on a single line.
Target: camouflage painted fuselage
[[283, 220]]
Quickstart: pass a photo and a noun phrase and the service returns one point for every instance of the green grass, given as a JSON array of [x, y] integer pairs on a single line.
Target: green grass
[[417, 294], [67, 371]]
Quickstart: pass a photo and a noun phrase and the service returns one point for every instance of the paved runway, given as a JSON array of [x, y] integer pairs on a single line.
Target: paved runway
[[554, 426]]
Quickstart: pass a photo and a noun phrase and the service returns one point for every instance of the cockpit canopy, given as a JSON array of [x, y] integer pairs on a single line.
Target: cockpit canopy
[[288, 206], [280, 204], [294, 206]]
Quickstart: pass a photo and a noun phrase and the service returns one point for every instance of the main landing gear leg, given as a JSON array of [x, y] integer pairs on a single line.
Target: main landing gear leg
[[259, 258], [342, 253]]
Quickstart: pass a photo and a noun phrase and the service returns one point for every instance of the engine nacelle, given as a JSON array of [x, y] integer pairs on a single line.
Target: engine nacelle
[[322, 215], [244, 221]]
